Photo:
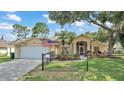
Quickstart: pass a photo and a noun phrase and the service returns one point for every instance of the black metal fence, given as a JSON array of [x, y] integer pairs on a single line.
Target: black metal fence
[[47, 58]]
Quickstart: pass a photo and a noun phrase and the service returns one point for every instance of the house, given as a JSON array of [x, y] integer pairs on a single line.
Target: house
[[5, 47], [34, 47], [81, 44], [118, 48]]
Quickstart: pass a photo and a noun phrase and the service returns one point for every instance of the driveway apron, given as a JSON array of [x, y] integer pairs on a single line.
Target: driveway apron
[[13, 70]]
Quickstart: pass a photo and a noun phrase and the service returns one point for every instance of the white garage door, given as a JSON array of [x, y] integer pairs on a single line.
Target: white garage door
[[33, 51]]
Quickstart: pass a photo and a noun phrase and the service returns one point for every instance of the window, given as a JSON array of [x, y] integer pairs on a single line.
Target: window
[[67, 50], [96, 49]]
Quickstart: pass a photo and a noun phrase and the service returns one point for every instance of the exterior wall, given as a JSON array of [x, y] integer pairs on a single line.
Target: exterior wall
[[53, 48], [56, 48], [17, 51], [10, 50], [102, 46]]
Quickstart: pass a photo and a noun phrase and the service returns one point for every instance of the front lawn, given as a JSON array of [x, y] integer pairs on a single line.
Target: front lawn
[[99, 69]]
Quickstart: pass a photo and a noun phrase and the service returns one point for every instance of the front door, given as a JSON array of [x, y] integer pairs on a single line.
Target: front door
[[81, 50]]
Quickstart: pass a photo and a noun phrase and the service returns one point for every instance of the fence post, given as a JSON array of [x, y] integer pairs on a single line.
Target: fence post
[[87, 63], [42, 62], [47, 61], [50, 56], [53, 55]]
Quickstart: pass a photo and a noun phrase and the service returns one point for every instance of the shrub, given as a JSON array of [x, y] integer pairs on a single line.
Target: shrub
[[68, 57]]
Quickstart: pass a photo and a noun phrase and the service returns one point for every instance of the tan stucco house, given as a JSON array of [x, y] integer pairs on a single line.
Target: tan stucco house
[[82, 44], [34, 47], [5, 47]]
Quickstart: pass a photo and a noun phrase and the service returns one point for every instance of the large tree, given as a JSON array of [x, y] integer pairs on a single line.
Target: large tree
[[98, 18], [62, 36], [102, 35], [40, 30], [91, 34], [20, 31]]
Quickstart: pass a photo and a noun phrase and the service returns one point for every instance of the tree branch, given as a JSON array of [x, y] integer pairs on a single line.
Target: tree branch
[[101, 25]]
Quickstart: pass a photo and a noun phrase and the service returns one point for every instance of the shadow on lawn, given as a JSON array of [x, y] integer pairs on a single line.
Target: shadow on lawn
[[109, 68]]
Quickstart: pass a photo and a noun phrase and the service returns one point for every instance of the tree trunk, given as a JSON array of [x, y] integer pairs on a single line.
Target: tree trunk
[[110, 49], [111, 44], [63, 43]]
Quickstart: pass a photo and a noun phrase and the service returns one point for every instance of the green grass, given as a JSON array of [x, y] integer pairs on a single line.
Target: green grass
[[4, 59], [99, 69]]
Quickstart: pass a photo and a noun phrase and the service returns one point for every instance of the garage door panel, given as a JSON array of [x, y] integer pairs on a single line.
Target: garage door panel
[[33, 51]]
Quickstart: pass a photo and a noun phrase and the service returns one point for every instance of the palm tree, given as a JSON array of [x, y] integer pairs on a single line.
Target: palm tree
[[71, 36], [63, 36]]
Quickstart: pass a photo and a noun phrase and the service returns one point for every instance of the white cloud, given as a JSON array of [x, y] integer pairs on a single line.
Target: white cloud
[[6, 26], [80, 29], [11, 11], [45, 15], [108, 24], [79, 24], [48, 20], [58, 29], [30, 28], [10, 37], [13, 17]]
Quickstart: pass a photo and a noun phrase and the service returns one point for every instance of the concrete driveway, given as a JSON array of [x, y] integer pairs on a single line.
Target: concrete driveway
[[12, 70]]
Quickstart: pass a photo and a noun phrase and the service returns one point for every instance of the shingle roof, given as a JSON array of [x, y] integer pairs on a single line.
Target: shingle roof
[[23, 41]]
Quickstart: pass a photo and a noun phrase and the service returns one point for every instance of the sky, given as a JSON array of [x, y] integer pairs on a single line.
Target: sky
[[30, 18]]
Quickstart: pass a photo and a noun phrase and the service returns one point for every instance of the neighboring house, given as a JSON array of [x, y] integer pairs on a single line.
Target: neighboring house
[[5, 47], [34, 47], [118, 48]]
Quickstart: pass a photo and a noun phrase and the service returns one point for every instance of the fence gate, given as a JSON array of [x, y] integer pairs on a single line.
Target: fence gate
[[47, 58]]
